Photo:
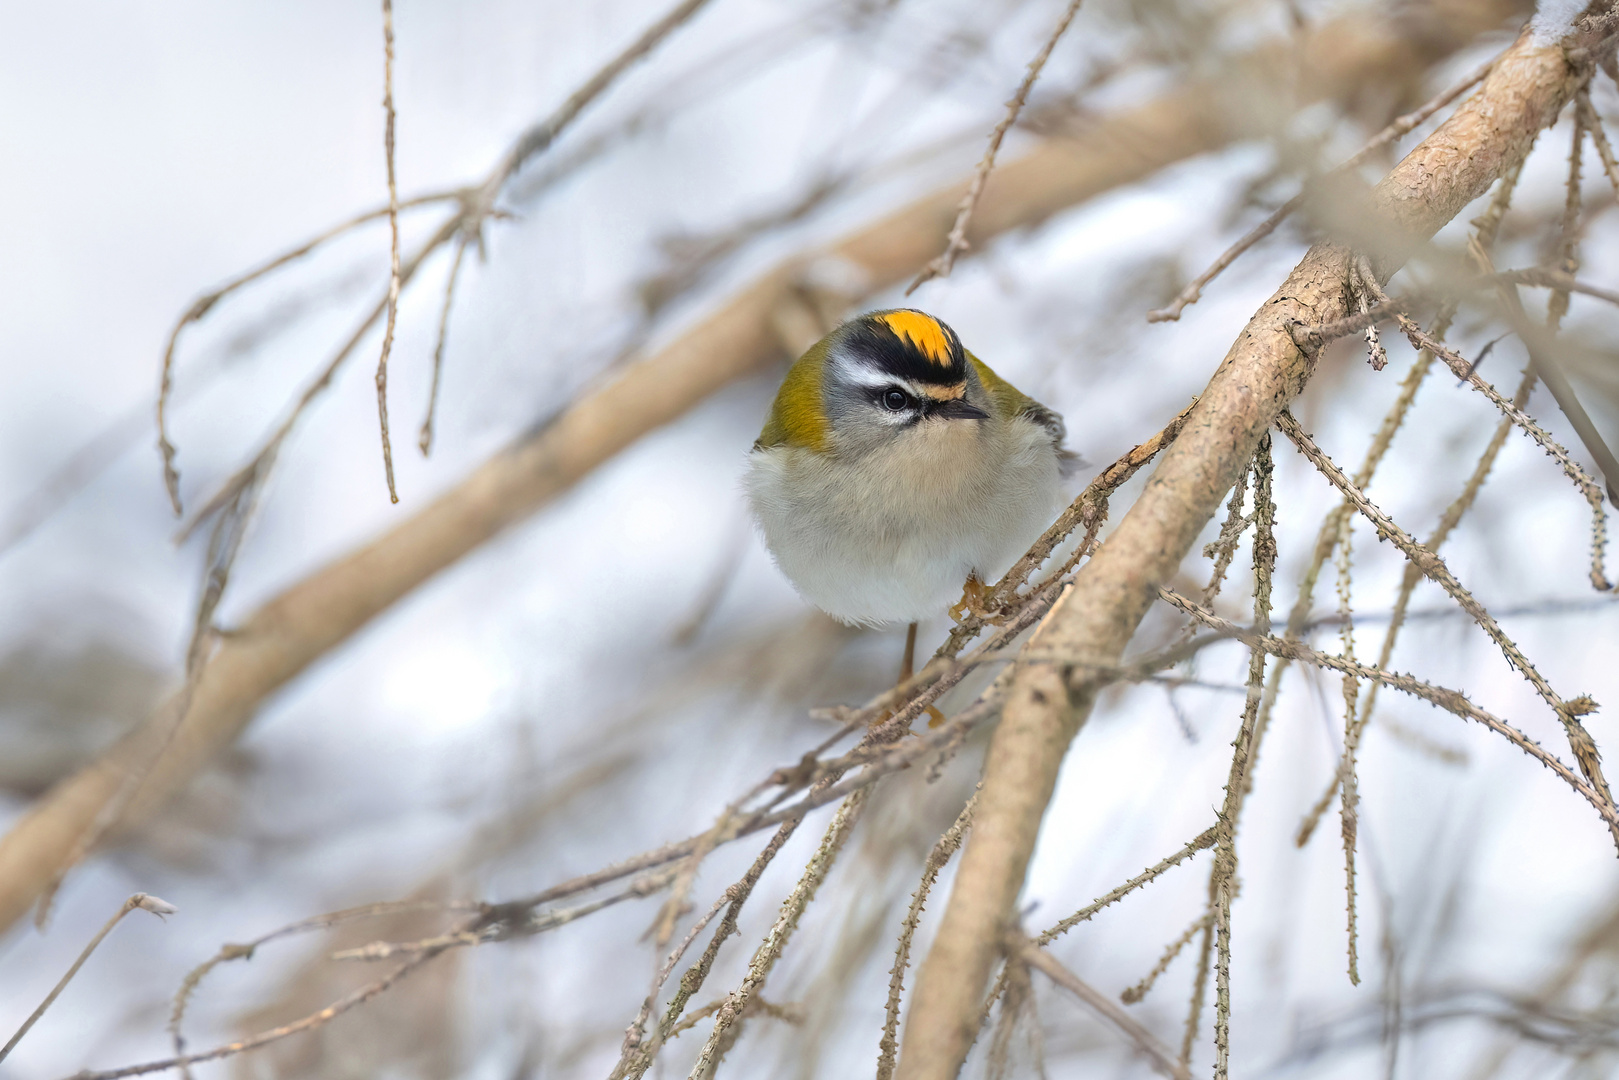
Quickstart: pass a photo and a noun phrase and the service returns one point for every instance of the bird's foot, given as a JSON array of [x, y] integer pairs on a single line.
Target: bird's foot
[[935, 718], [974, 594]]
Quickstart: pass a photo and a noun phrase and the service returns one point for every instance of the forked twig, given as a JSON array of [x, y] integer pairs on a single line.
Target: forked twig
[[476, 206], [205, 303], [1580, 741]]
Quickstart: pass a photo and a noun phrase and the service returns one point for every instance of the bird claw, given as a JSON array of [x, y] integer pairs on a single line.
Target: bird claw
[[973, 596], [935, 718]]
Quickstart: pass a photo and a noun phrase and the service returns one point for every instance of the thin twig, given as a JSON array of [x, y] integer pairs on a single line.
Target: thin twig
[[1580, 741], [1452, 701], [425, 439], [253, 1042], [1349, 807], [1408, 583], [229, 952], [157, 907], [775, 942], [1140, 990], [1223, 875], [947, 846], [205, 303], [1160, 1056], [393, 244], [476, 206], [1599, 135], [1464, 371], [1569, 235], [956, 243], [1200, 842]]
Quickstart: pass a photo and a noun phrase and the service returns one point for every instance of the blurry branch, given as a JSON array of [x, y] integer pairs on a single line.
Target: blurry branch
[[253, 1042], [956, 242], [393, 244], [1401, 127], [1021, 950], [1263, 371], [424, 440], [313, 616], [1580, 1034], [157, 907], [229, 952]]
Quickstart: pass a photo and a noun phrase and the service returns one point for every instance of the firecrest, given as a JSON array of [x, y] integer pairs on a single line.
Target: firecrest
[[895, 466]]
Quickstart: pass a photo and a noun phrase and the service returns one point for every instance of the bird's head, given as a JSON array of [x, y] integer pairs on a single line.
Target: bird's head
[[882, 378]]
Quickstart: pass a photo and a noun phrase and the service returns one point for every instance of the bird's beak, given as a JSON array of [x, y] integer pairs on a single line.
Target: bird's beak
[[959, 409]]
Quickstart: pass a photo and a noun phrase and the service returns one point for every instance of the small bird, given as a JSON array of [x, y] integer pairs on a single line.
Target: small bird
[[896, 467]]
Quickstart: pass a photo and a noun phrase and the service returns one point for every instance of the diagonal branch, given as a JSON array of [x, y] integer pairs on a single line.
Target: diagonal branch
[[317, 614], [1046, 703]]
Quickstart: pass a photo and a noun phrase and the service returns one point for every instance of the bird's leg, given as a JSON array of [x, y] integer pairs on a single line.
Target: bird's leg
[[907, 668], [973, 595]]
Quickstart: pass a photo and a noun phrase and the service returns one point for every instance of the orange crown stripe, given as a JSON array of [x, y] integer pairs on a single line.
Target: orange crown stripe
[[923, 331]]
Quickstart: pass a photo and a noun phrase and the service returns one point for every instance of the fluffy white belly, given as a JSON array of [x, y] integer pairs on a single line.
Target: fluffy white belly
[[894, 542]]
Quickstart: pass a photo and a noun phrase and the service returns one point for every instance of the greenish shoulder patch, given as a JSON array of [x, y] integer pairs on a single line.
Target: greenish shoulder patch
[[798, 417], [1013, 402]]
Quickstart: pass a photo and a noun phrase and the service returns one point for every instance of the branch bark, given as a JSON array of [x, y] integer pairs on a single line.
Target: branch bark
[[315, 615], [1263, 371]]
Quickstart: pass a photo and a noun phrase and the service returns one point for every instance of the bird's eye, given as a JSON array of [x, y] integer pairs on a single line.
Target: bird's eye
[[896, 400]]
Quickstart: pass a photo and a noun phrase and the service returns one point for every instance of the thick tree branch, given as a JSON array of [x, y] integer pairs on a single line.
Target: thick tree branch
[[1263, 371], [315, 615]]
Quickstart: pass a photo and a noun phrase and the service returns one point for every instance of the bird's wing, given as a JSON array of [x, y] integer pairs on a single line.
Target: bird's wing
[[798, 416], [1013, 402]]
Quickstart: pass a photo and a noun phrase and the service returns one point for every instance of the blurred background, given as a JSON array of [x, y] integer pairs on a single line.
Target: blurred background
[[605, 676]]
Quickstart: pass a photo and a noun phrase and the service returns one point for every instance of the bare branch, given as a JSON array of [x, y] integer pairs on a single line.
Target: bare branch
[[956, 242], [425, 439], [1160, 1056], [393, 244], [1045, 707], [1584, 747], [943, 851], [1453, 701], [157, 907]]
